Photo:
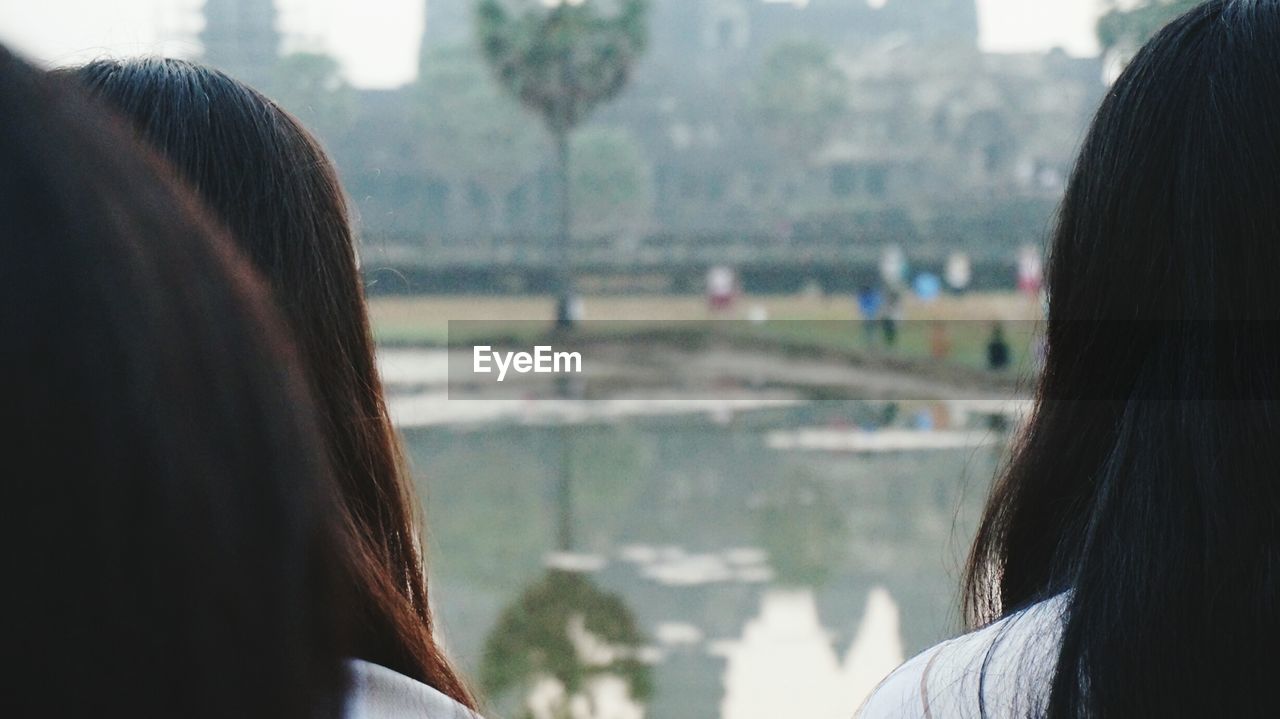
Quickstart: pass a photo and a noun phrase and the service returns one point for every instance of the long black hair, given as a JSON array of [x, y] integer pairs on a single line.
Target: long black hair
[[277, 192], [1146, 488], [167, 508]]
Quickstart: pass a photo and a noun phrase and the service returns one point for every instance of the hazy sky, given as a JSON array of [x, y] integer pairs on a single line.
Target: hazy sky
[[377, 40]]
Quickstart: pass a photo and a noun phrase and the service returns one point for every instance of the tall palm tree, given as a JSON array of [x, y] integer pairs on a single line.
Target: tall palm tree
[[562, 61]]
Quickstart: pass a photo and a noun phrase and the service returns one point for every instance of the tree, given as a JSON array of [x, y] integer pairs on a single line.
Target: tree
[[473, 132], [612, 183], [1125, 28], [799, 97], [562, 61], [564, 629]]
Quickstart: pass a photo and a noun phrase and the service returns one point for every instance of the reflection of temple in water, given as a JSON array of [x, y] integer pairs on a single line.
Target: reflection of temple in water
[[724, 640], [681, 519], [786, 639]]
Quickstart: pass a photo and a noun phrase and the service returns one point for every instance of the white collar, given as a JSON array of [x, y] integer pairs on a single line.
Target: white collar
[[380, 693]]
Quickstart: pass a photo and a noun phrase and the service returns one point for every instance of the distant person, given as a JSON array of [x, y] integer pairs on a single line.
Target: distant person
[[958, 272], [722, 289], [870, 302], [569, 312], [893, 266], [927, 287], [998, 353], [1128, 561], [172, 548], [891, 316], [277, 192], [1030, 272], [939, 340]]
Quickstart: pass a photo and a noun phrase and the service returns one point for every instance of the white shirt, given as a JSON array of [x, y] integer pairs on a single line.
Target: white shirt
[[380, 693], [1008, 666]]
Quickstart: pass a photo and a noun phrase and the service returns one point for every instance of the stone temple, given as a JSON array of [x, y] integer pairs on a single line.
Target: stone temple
[[942, 146]]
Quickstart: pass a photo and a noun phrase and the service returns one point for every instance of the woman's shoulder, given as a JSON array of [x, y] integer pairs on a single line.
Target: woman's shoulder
[[380, 693], [1003, 669]]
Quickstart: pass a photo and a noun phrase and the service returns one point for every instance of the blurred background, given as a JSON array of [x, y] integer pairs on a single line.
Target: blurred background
[[803, 241]]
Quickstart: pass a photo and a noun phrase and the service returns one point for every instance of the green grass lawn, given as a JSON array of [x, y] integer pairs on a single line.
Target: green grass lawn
[[796, 323]]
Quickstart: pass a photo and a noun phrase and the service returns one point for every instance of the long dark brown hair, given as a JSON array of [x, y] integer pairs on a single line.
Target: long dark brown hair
[[1144, 490], [167, 519], [272, 185]]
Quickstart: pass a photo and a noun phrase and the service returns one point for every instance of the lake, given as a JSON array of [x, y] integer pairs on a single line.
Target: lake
[[734, 560]]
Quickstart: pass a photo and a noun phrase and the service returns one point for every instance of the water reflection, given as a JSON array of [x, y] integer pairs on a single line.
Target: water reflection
[[735, 558], [567, 650], [803, 531], [786, 665]]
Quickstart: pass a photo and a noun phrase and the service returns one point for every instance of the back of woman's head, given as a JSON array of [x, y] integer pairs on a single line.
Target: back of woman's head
[[166, 520], [1145, 482], [271, 184]]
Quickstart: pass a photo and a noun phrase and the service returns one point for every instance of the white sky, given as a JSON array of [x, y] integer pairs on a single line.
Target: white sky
[[377, 40]]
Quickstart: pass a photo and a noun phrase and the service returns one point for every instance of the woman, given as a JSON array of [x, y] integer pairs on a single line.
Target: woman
[[168, 535], [1130, 553], [278, 194]]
